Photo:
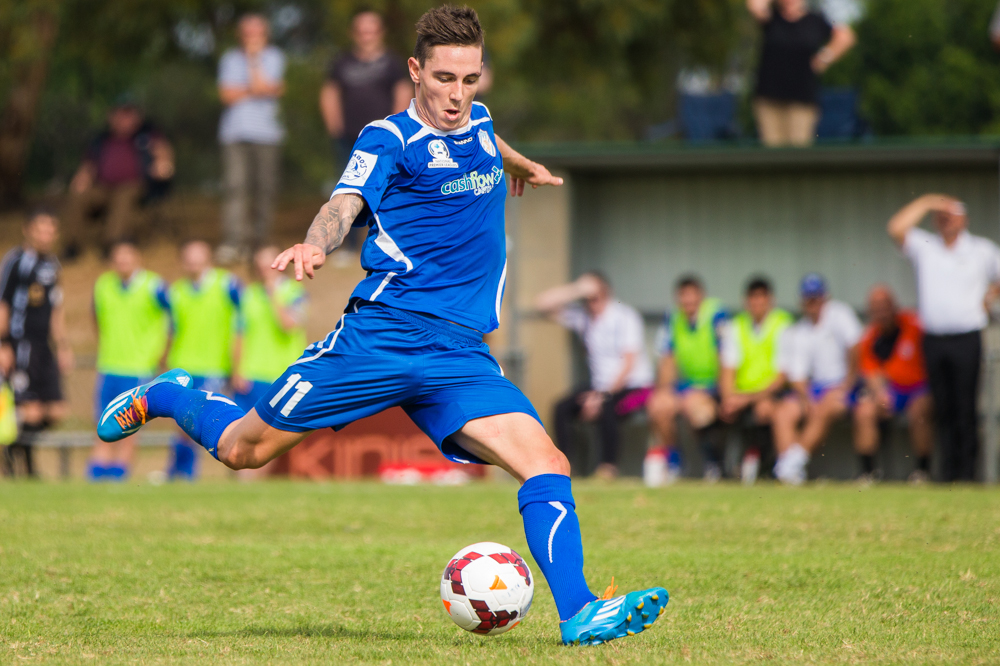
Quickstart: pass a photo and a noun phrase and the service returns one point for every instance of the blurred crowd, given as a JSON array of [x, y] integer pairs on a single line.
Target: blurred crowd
[[235, 338], [785, 383]]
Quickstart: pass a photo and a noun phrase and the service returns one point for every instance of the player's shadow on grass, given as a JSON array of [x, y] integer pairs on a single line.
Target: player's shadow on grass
[[315, 630]]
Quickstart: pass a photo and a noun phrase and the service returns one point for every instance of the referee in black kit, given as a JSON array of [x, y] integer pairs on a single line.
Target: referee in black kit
[[958, 274], [31, 320]]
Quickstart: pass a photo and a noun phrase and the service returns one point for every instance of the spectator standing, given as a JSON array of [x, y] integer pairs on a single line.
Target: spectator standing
[[822, 371], [131, 311], [363, 85], [687, 382], [32, 322], [798, 45], [126, 164], [273, 312], [753, 373], [620, 372], [891, 361], [251, 81], [957, 274], [204, 304]]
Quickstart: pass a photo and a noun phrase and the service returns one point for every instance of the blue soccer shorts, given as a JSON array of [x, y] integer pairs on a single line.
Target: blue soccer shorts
[[109, 387], [440, 373]]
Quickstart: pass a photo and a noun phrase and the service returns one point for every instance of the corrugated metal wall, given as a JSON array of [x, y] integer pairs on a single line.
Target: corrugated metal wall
[[645, 229]]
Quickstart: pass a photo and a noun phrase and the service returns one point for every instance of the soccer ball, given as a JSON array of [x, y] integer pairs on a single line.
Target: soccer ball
[[487, 588]]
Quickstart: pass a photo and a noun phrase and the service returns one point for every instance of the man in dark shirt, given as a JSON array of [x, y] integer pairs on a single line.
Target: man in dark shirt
[[798, 46], [120, 166], [365, 84], [31, 319]]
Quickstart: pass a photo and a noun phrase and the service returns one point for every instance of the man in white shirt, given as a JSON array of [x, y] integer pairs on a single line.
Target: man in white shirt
[[821, 368], [251, 82], [957, 274], [620, 372]]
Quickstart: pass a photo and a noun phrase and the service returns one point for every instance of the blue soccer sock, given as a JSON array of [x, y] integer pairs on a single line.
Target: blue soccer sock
[[203, 416], [553, 533]]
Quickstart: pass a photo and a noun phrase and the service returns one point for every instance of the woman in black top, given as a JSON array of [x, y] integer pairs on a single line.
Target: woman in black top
[[798, 46]]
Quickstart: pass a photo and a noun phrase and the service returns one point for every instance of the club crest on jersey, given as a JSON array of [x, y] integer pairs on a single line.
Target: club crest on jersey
[[442, 158], [484, 141], [359, 168]]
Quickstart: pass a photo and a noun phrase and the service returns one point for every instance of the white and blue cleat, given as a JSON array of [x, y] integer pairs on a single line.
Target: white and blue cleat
[[606, 619], [128, 412]]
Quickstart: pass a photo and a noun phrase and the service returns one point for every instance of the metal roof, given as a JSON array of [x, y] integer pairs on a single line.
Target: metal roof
[[661, 156]]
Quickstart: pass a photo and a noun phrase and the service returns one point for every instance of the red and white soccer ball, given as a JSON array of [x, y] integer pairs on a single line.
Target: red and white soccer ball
[[487, 588]]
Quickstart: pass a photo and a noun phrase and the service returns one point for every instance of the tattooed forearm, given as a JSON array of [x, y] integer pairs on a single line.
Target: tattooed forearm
[[333, 221]]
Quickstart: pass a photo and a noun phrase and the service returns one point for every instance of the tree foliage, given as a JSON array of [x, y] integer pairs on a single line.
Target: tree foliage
[[927, 67]]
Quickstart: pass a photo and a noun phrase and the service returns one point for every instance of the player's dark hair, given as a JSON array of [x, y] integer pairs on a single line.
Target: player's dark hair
[[759, 283], [40, 211], [447, 25], [599, 276], [689, 280]]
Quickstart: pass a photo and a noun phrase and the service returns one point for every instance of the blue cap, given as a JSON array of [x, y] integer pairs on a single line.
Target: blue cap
[[813, 286]]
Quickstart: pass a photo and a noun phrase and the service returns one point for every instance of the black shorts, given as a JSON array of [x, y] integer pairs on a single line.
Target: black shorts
[[36, 375]]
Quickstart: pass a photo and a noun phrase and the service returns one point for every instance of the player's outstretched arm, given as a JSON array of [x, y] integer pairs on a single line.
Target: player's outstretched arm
[[522, 170], [326, 233]]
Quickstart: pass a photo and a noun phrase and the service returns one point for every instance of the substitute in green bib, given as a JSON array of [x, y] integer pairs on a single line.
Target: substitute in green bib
[[131, 311], [204, 305], [272, 333], [754, 355], [687, 382]]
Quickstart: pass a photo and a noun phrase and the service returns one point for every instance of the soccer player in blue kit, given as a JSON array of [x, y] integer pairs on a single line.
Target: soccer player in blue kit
[[429, 184]]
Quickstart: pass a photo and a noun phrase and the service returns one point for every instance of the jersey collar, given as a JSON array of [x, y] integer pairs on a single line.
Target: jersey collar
[[427, 129]]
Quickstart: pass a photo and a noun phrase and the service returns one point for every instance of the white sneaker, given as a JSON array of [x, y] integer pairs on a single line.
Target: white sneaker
[[791, 466], [750, 468]]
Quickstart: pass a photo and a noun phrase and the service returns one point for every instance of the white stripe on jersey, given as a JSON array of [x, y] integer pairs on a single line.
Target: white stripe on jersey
[[503, 281], [387, 245], [388, 125]]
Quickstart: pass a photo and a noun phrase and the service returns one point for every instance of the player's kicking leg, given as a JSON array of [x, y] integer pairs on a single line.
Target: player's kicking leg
[[237, 439], [519, 444], [516, 442]]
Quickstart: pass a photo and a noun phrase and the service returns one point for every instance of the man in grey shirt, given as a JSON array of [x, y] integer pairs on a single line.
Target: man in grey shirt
[[251, 80]]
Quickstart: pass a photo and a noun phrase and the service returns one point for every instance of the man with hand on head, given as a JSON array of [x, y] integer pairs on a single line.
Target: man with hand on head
[[620, 372], [958, 275], [895, 382]]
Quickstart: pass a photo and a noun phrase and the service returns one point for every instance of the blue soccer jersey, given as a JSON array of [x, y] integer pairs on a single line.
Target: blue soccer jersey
[[435, 214]]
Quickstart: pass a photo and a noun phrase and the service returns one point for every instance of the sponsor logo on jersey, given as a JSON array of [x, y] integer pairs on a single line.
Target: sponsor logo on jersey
[[462, 142], [486, 143], [442, 158], [474, 182], [359, 168]]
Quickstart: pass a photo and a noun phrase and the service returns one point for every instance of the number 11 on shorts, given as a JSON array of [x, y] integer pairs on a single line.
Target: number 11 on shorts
[[301, 388]]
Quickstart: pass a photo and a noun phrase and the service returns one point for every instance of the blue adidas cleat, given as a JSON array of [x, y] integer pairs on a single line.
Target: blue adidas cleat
[[608, 618], [127, 412]]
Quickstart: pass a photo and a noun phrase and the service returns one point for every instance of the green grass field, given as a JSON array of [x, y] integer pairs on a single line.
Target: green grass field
[[283, 572]]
